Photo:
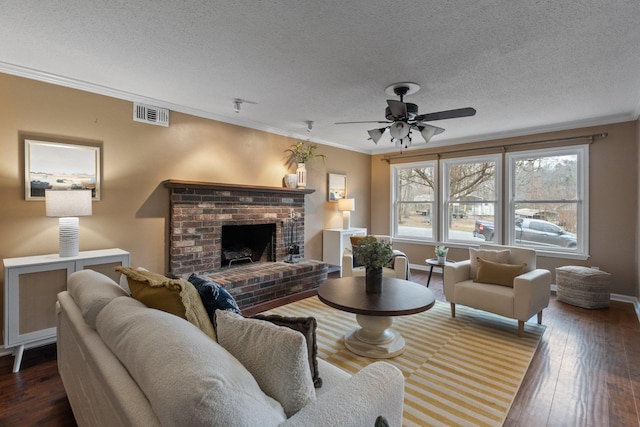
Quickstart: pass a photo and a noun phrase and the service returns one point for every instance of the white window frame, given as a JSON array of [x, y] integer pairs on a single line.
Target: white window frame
[[444, 195], [394, 200], [582, 206]]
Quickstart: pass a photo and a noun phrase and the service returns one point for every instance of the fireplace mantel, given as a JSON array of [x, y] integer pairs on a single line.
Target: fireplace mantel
[[175, 183]]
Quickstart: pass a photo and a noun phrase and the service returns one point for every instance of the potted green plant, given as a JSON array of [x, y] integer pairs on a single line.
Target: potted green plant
[[301, 154], [374, 254], [441, 254]]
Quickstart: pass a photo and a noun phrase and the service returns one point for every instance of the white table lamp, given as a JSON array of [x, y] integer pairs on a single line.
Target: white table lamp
[[68, 206], [346, 206]]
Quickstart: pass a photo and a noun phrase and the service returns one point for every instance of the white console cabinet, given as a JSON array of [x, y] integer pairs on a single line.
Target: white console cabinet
[[335, 241], [31, 286]]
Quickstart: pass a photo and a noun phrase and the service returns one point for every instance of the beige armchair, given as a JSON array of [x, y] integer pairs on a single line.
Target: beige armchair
[[522, 297], [399, 269]]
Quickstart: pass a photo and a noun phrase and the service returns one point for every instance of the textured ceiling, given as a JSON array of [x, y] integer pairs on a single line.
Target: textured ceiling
[[526, 66]]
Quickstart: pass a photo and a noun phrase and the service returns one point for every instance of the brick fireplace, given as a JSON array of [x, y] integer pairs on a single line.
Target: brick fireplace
[[200, 210]]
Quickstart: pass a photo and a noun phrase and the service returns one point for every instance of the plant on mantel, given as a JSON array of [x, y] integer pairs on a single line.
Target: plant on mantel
[[302, 152]]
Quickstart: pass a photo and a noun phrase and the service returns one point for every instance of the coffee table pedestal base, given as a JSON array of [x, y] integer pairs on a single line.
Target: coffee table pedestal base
[[375, 338]]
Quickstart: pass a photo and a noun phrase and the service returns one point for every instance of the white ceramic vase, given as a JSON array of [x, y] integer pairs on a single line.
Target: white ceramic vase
[[302, 175], [291, 180]]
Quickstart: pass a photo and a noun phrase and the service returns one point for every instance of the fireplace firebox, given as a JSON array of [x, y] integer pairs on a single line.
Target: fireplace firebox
[[248, 243]]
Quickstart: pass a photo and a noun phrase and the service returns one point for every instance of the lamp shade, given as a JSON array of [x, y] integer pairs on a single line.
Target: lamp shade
[[72, 203], [376, 134], [429, 131], [346, 205]]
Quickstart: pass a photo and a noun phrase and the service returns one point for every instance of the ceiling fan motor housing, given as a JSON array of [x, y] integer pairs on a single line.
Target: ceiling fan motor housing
[[412, 112]]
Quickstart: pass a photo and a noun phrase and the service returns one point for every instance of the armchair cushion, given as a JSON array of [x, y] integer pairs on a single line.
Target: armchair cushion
[[501, 256], [497, 273]]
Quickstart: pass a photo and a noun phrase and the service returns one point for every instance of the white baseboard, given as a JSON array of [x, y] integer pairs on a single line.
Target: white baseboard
[[419, 267]]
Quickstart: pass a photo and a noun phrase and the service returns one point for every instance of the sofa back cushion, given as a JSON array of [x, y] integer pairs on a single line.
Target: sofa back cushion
[[189, 379], [92, 291]]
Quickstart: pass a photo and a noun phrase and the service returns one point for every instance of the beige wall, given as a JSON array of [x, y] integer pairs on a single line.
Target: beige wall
[[637, 261], [613, 173], [137, 157]]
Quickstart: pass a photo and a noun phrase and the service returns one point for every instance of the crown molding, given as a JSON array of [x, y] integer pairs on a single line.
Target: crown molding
[[58, 80]]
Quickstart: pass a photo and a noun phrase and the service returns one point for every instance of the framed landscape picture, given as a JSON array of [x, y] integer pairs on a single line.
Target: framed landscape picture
[[337, 187], [60, 166]]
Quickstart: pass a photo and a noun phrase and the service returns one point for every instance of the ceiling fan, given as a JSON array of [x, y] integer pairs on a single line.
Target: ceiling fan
[[402, 117]]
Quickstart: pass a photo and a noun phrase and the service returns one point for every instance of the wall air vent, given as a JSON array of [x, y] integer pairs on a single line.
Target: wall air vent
[[149, 114]]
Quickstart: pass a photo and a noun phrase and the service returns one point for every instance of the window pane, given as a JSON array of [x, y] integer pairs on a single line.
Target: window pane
[[416, 184], [548, 200], [414, 220], [472, 181], [546, 224], [547, 178], [472, 194], [415, 201], [463, 217]]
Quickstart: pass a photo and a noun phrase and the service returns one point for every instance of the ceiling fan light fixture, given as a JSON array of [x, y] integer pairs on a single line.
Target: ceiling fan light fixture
[[376, 134], [427, 131]]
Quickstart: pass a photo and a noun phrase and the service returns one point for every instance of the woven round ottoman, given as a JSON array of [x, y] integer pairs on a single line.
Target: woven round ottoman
[[583, 286]]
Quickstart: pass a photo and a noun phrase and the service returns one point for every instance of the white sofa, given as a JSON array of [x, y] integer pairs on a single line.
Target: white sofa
[[528, 295], [123, 364]]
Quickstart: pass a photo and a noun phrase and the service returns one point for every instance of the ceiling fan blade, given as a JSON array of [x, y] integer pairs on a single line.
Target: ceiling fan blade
[[449, 114], [398, 108], [374, 121]]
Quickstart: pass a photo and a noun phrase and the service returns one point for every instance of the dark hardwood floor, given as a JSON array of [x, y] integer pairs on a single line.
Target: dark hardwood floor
[[586, 372]]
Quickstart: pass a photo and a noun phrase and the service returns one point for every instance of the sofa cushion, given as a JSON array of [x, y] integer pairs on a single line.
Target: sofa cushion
[[189, 379], [496, 273], [92, 291], [501, 256], [276, 356], [214, 297], [307, 327], [175, 296]]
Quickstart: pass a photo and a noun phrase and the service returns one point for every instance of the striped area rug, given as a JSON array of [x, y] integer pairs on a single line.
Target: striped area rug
[[458, 372]]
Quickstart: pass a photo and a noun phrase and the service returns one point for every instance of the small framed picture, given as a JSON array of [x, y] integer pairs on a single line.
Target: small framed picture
[[60, 166], [337, 187]]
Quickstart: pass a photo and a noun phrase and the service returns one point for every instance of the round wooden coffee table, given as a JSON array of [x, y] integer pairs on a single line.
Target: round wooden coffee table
[[374, 312]]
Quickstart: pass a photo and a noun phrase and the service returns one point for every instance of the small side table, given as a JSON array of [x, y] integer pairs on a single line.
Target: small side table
[[433, 262]]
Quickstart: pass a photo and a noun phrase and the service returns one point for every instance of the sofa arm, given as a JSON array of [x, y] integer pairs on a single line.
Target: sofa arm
[[400, 264], [531, 293], [347, 264], [377, 389]]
